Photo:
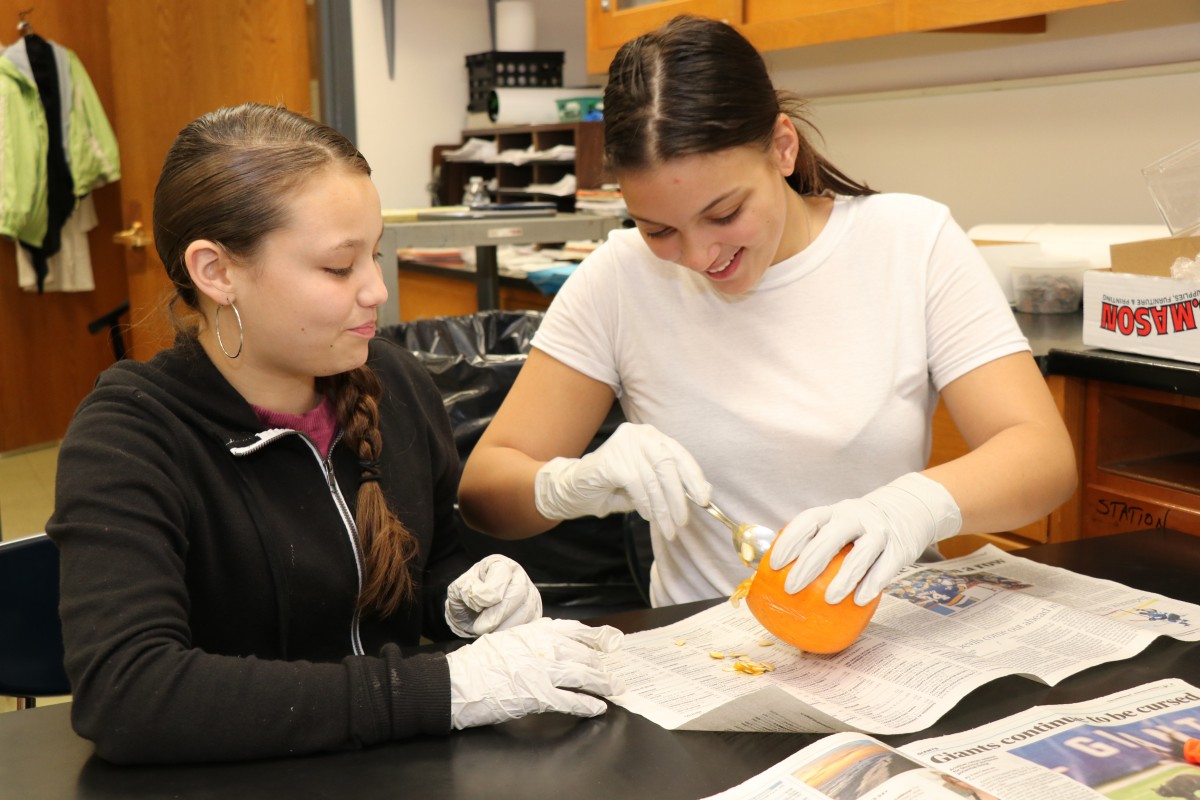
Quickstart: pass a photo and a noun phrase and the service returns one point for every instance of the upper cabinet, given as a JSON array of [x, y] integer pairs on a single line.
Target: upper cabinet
[[781, 24], [611, 23]]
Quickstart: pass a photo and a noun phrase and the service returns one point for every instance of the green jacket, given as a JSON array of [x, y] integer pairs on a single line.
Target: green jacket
[[24, 138]]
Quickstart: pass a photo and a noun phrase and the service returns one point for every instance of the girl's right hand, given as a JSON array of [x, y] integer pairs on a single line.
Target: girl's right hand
[[546, 665], [638, 468]]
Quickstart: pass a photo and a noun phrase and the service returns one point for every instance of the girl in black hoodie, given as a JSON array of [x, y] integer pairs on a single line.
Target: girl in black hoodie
[[253, 522]]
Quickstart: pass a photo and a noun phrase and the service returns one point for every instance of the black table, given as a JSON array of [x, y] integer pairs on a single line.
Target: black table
[[616, 755], [485, 235]]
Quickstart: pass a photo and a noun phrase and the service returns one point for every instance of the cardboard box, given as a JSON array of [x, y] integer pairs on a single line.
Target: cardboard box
[[1144, 314], [1152, 256]]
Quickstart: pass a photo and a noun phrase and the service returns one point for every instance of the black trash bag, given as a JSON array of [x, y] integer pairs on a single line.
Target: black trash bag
[[488, 333], [589, 564], [473, 360]]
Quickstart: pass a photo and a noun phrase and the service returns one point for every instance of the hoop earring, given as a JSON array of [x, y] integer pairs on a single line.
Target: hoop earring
[[241, 333]]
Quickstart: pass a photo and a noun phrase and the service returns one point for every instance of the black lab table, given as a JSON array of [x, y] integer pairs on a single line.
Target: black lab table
[[616, 755]]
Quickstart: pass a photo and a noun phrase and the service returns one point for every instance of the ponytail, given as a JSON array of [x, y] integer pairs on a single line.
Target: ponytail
[[387, 546], [698, 86]]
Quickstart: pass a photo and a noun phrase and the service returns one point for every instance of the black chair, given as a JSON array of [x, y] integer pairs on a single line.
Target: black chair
[[31, 646], [110, 322], [583, 567]]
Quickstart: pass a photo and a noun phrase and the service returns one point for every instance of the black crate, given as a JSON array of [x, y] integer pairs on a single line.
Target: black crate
[[497, 69]]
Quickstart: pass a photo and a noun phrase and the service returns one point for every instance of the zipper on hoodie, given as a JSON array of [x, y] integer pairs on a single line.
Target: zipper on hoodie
[[339, 500], [355, 541]]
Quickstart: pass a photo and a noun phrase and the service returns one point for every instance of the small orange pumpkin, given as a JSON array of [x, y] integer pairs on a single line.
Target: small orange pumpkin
[[1191, 751], [804, 619]]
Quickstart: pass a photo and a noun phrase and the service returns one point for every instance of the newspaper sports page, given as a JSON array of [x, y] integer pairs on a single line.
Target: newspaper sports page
[[1129, 745], [942, 630]]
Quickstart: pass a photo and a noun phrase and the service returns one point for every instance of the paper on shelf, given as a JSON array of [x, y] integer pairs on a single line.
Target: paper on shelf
[[474, 149], [563, 187]]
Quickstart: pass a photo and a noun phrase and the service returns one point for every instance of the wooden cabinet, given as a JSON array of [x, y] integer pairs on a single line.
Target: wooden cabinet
[[587, 166], [1141, 460], [611, 23], [782, 24], [1062, 524], [1139, 456], [424, 295]]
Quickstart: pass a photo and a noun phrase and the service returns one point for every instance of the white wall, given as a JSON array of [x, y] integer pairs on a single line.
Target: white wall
[[400, 120], [986, 123], [1045, 128], [1069, 153]]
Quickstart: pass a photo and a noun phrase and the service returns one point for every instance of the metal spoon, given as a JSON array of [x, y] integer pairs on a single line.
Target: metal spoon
[[750, 541]]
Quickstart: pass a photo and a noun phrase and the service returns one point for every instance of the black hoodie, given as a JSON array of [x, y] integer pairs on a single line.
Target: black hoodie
[[210, 569]]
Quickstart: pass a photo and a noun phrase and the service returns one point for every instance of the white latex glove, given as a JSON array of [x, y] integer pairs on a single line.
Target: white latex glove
[[530, 669], [638, 468], [890, 528], [492, 595]]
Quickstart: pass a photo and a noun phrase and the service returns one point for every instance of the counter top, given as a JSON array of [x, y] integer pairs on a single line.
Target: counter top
[[485, 235], [1058, 348], [1056, 341]]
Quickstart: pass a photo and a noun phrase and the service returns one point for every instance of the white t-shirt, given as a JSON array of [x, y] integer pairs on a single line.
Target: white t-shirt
[[816, 386]]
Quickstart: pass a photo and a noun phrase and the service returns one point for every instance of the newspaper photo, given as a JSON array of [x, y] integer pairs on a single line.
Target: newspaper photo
[[941, 630], [1138, 744]]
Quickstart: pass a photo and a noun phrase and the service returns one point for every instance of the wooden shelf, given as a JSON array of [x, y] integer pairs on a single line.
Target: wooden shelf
[[1141, 459], [511, 179], [1179, 471], [424, 294]]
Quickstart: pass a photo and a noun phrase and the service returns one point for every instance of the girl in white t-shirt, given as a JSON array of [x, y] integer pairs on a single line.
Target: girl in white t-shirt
[[777, 335]]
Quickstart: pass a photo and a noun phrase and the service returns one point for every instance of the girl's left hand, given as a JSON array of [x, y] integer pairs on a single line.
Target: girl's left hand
[[493, 595], [890, 528]]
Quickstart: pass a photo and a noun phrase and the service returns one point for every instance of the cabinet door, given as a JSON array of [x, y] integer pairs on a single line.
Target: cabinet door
[[779, 24], [924, 15], [611, 23], [424, 296], [1060, 525], [782, 24], [270, 61]]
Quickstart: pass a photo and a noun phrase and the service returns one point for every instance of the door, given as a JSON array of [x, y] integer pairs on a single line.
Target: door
[[173, 60], [48, 358]]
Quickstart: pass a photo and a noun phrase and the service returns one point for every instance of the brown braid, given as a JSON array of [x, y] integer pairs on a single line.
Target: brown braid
[[387, 545]]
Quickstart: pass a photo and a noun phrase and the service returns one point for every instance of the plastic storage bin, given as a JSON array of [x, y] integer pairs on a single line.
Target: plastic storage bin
[[589, 108], [1174, 183], [1047, 286], [495, 68]]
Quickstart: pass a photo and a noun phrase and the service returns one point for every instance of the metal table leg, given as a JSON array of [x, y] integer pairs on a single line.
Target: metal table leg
[[487, 277]]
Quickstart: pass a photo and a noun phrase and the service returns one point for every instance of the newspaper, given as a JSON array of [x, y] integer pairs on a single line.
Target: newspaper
[[1130, 745], [940, 631]]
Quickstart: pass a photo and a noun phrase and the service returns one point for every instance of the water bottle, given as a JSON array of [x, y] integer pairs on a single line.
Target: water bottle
[[475, 193]]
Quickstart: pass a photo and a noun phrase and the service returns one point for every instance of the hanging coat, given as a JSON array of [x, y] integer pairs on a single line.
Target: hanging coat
[[89, 143]]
